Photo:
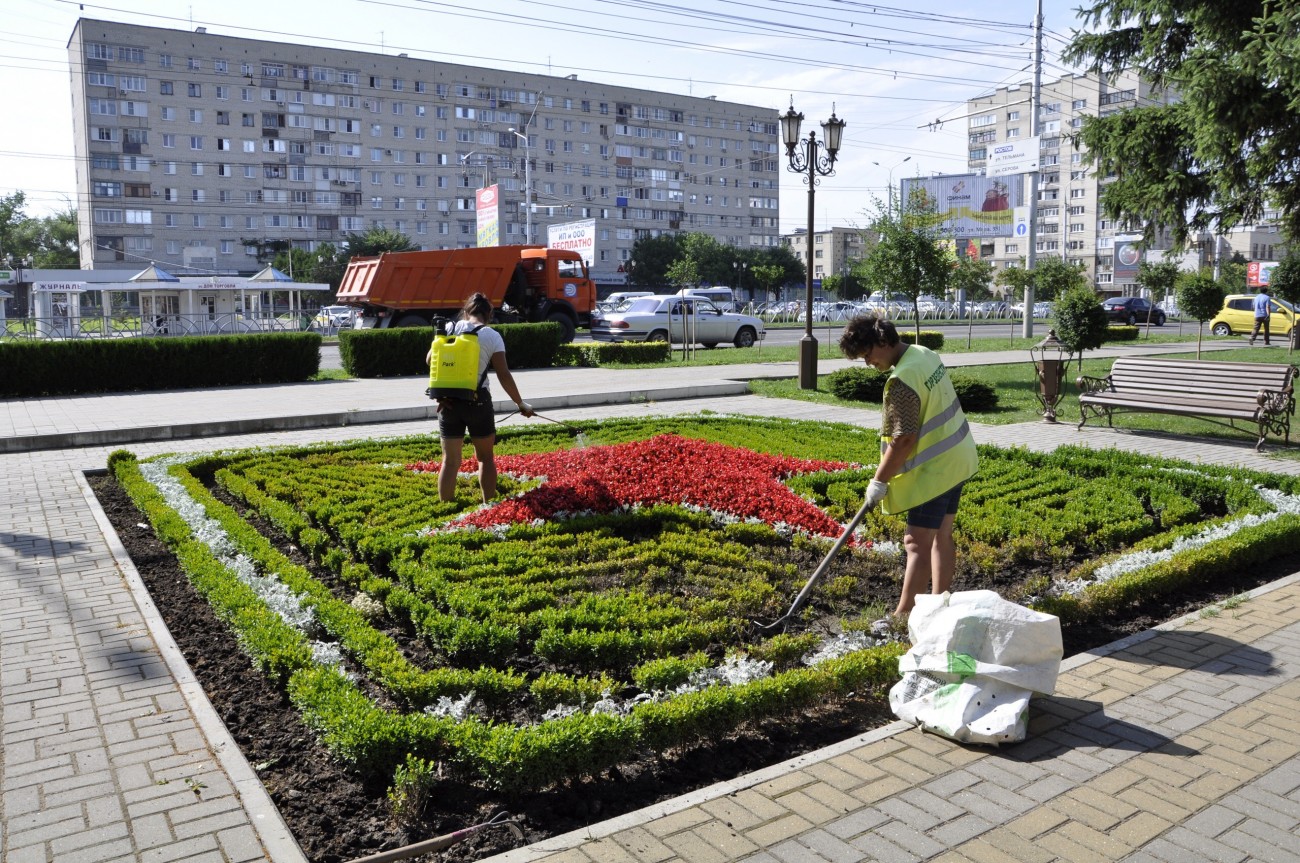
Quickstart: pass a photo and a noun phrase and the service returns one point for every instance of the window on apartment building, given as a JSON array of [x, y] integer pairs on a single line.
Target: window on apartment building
[[194, 90]]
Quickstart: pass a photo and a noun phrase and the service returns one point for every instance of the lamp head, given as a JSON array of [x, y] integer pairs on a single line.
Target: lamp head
[[790, 122], [832, 133]]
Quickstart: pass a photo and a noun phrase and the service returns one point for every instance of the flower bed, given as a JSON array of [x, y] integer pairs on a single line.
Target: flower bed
[[604, 607]]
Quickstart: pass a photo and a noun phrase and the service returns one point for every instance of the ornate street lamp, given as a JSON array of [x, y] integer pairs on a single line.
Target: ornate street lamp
[[739, 267], [809, 161], [1049, 357]]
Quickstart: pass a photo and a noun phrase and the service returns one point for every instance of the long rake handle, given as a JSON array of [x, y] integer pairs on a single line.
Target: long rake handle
[[822, 567]]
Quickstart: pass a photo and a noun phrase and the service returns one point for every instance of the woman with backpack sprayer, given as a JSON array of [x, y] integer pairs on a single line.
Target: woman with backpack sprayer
[[470, 408]]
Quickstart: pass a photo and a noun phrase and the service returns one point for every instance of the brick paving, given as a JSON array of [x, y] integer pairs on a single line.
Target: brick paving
[[1176, 745]]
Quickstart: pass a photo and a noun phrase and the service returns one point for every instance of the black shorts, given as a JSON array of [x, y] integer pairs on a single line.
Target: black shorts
[[457, 416]]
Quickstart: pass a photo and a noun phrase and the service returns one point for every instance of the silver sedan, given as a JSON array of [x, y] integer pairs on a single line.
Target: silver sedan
[[677, 320]]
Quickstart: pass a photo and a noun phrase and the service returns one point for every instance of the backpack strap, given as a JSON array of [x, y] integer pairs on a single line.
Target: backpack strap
[[482, 379]]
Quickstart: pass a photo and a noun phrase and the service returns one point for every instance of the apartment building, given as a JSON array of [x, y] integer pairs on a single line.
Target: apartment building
[[1069, 222], [832, 253], [196, 151]]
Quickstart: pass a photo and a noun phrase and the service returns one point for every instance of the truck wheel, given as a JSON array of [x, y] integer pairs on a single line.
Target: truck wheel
[[746, 337], [657, 336], [567, 327], [411, 320]]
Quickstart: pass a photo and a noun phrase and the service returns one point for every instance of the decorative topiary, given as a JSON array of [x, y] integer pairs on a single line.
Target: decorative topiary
[[974, 395], [857, 384]]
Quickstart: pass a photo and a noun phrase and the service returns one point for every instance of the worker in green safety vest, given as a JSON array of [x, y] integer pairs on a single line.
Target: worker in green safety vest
[[926, 452]]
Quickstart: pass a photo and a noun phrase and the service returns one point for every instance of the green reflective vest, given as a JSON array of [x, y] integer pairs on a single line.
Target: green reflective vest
[[945, 451]]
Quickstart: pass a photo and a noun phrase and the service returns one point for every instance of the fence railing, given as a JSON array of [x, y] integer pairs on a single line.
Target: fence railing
[[135, 326]]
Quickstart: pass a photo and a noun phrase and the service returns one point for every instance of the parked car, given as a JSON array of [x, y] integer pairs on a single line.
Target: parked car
[[1238, 316], [676, 319], [1132, 311], [335, 317]]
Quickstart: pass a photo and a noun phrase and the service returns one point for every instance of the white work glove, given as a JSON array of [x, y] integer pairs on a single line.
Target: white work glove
[[526, 409], [876, 492]]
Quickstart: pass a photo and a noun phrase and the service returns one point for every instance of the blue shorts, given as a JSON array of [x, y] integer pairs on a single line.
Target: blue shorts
[[930, 515]]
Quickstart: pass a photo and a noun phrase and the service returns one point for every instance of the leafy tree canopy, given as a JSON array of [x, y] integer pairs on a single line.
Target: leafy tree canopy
[[910, 257], [1054, 276], [46, 242], [651, 258], [974, 277], [1080, 322], [376, 241], [1160, 279], [1224, 151]]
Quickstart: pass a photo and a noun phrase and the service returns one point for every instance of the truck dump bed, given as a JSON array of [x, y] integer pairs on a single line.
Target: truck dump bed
[[434, 279]]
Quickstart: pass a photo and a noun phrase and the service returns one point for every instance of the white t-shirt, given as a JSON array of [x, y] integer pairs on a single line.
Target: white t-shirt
[[489, 343]]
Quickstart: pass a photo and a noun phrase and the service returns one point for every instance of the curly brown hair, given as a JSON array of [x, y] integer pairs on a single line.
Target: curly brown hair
[[865, 332]]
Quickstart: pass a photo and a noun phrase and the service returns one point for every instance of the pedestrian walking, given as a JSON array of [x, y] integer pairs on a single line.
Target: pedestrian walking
[[1263, 313]]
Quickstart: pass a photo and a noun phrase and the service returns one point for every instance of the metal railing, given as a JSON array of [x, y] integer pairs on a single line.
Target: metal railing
[[136, 326]]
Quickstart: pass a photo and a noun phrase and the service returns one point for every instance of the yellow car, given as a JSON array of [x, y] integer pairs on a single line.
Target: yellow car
[[1238, 316]]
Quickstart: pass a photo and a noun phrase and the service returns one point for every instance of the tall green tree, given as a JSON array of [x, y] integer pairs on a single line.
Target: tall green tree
[[376, 241], [1224, 151], [973, 276], [651, 257], [1200, 297], [910, 257], [1054, 276], [1160, 279], [767, 276], [47, 242], [1079, 321], [1285, 282]]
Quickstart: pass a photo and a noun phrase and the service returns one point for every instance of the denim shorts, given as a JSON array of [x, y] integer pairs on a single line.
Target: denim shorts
[[930, 515]]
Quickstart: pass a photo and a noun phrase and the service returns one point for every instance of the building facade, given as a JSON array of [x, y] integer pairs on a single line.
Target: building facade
[[200, 151], [832, 251], [1068, 220]]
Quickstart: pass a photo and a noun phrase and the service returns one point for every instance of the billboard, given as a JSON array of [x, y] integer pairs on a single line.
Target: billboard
[[970, 205], [489, 227], [578, 236], [1259, 273], [1128, 255], [1013, 157]]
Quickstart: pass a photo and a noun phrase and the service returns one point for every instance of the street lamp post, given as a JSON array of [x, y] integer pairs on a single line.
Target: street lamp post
[[810, 161], [528, 189], [890, 187], [739, 267]]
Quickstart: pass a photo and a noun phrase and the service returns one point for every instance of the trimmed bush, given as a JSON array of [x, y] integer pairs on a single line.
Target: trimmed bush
[[596, 354], [400, 351], [41, 368], [974, 395], [857, 384], [1121, 334], [932, 339]]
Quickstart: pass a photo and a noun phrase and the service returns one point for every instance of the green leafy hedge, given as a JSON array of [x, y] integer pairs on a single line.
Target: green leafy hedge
[[400, 351], [596, 354], [46, 368], [932, 339], [1121, 333]]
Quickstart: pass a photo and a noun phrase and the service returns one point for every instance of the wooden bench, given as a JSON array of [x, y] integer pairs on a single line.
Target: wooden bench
[[1260, 393]]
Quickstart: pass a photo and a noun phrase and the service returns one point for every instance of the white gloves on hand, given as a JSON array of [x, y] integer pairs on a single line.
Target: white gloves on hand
[[526, 409], [876, 492]]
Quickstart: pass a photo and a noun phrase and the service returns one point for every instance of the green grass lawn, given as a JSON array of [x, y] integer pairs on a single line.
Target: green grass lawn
[[1017, 390]]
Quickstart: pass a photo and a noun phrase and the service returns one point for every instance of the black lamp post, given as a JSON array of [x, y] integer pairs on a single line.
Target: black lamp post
[[809, 161], [739, 267]]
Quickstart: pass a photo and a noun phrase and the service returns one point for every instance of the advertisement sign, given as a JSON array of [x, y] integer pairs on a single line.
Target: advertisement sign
[[968, 204], [1128, 254], [59, 287], [489, 228], [578, 236], [1013, 157], [1259, 273]]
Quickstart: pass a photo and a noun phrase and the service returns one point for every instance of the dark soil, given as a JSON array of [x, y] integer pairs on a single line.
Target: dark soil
[[337, 815]]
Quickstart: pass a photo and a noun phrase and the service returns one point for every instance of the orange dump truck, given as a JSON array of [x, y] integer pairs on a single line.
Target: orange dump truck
[[524, 283]]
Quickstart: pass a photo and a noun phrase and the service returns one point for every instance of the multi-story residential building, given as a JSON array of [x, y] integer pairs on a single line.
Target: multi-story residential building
[[833, 250], [196, 151], [1069, 223]]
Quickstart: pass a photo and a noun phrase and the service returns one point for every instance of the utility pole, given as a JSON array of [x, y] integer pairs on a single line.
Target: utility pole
[[528, 189], [1027, 328]]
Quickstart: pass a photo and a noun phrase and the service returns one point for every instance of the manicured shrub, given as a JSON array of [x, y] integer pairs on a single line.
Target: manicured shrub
[[1121, 334], [595, 354], [974, 395], [932, 339], [857, 383], [400, 351]]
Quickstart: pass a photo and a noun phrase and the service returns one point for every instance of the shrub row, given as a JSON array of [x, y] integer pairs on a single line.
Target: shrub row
[[47, 368], [596, 354], [400, 351]]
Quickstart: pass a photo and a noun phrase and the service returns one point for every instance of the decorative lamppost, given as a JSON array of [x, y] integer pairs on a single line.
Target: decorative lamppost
[[1049, 357], [814, 164], [528, 188], [890, 188]]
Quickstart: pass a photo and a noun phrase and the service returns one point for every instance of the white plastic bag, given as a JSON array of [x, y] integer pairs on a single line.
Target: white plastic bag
[[975, 661]]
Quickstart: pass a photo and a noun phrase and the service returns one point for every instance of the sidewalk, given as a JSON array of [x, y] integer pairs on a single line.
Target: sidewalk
[[1176, 745]]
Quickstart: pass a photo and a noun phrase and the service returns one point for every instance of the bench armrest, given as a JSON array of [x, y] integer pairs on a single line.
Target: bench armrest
[[1089, 384], [1276, 401]]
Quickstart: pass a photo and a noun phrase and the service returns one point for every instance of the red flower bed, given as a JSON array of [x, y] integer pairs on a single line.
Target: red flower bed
[[732, 481]]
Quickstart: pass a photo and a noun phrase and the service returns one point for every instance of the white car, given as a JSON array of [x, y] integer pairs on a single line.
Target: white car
[[335, 317], [677, 320]]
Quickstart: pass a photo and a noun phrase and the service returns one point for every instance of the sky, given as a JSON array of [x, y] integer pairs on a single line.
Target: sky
[[898, 76]]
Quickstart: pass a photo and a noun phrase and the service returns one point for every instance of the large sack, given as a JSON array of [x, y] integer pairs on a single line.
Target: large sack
[[975, 661]]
